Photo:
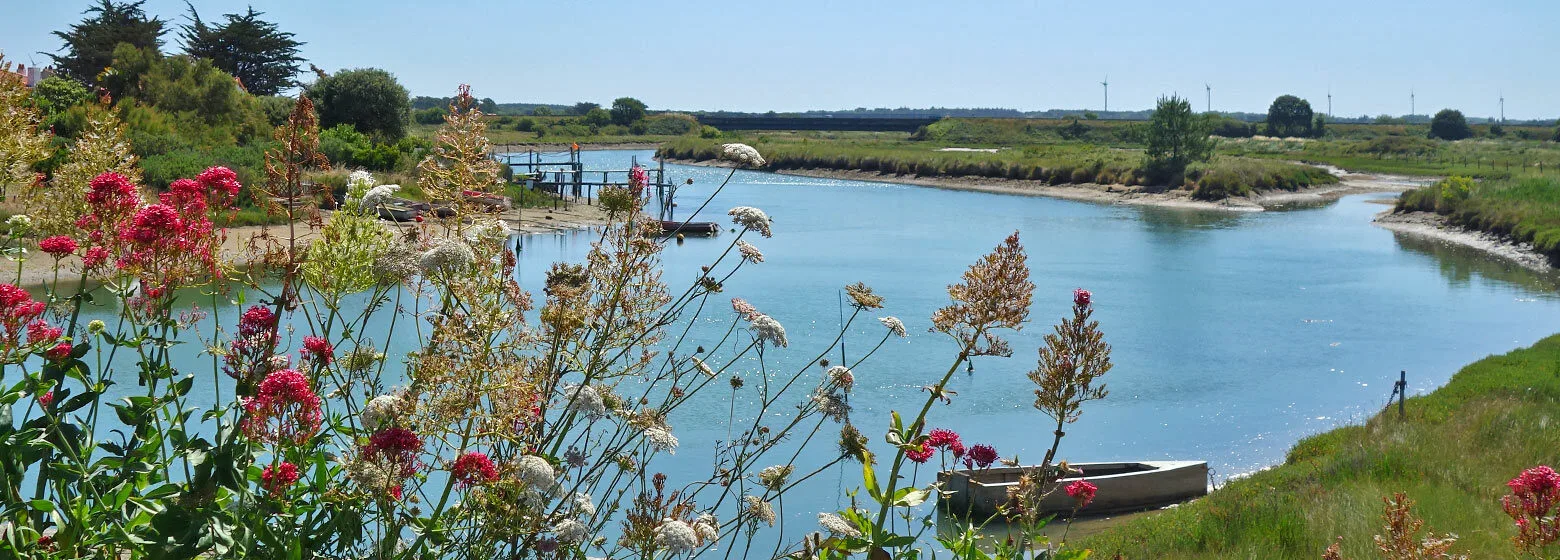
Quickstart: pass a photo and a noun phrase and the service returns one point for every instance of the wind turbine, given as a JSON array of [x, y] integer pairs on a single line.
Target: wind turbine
[[1106, 84], [1503, 107], [1210, 96], [1411, 109], [1329, 101]]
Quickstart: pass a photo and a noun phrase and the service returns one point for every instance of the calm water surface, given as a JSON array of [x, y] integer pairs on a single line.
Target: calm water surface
[[1234, 335]]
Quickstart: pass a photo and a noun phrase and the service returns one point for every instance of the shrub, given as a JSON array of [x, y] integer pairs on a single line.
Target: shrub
[[431, 115], [627, 110], [671, 124], [1176, 138], [369, 99], [707, 131], [1289, 116], [525, 124], [1449, 124], [597, 116]]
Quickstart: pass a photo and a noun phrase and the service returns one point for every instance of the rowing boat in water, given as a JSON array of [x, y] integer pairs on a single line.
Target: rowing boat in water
[[1127, 486]]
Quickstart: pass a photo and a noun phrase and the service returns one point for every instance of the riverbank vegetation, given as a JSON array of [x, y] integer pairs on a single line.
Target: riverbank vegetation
[[1524, 209], [1452, 453]]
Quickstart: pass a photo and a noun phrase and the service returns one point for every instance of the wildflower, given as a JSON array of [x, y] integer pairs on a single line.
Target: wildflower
[[638, 178], [832, 405], [981, 455], [661, 439], [752, 218], [218, 179], [380, 412], [393, 451], [745, 309], [834, 524], [1081, 297], [841, 377], [1082, 492], [95, 257], [852, 443], [943, 439], [1534, 494], [376, 196], [676, 536], [46, 399], [767, 329], [920, 454], [40, 332], [277, 479], [472, 468], [894, 326], [741, 154], [319, 349], [19, 225], [536, 472], [59, 352], [396, 265], [17, 310], [585, 400], [574, 458], [58, 246], [547, 545], [861, 296], [995, 293], [284, 410], [703, 367], [256, 320], [570, 531], [96, 326], [446, 255], [749, 252], [583, 505], [707, 527], [774, 477], [760, 510]]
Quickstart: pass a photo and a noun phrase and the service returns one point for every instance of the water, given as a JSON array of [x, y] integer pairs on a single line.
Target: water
[[1234, 335]]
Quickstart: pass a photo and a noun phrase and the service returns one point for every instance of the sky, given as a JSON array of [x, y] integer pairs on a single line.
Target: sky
[[798, 55]]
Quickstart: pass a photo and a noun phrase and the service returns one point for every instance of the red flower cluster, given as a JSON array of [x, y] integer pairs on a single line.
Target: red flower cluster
[[319, 349], [46, 399], [59, 352], [947, 439], [285, 410], [1082, 492], [1082, 297], [58, 246], [173, 239], [473, 468], [18, 315], [397, 446], [638, 179], [920, 455], [279, 478], [1534, 495], [980, 455], [249, 355]]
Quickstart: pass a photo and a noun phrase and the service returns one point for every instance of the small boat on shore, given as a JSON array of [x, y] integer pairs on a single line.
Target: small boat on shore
[[1125, 486], [398, 213], [705, 229]]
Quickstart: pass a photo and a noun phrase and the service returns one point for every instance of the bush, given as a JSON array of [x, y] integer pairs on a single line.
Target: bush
[[431, 115], [1176, 138], [627, 110], [671, 124], [707, 131], [369, 99], [597, 117], [1289, 116], [1449, 124], [525, 124], [276, 108], [1231, 128]]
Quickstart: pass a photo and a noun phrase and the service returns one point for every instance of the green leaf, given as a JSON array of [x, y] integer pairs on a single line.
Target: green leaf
[[912, 498], [869, 476], [41, 505]]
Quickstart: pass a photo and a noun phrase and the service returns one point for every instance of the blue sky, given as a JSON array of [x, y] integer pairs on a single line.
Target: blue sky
[[1024, 54]]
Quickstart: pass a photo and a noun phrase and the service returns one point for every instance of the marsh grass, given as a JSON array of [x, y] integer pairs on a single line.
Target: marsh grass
[[1526, 210], [1452, 454]]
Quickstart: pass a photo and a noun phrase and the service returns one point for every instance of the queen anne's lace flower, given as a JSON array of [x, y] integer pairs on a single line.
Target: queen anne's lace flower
[[752, 218], [570, 531], [837, 525], [749, 252], [583, 505], [447, 255], [676, 536], [832, 405], [585, 400], [767, 329], [381, 194], [536, 471], [894, 325], [661, 439], [741, 154], [760, 509], [380, 412], [703, 367], [774, 477], [842, 377], [708, 527]]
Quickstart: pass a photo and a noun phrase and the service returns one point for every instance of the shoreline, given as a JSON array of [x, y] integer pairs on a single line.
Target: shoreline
[[564, 146], [1350, 183], [1435, 226]]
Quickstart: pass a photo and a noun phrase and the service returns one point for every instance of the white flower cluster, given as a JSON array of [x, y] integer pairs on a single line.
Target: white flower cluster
[[485, 230], [767, 329], [749, 252], [536, 472], [584, 399], [752, 218], [894, 326], [760, 509], [841, 376], [774, 477], [707, 527], [661, 439], [447, 254], [380, 412], [837, 525], [570, 531], [19, 224], [676, 536], [741, 154], [583, 505], [358, 184], [832, 405], [703, 367], [378, 195]]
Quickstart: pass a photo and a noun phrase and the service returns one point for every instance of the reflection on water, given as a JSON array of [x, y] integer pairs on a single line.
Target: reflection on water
[[1460, 264]]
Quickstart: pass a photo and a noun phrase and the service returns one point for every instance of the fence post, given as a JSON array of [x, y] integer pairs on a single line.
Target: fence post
[[1402, 390]]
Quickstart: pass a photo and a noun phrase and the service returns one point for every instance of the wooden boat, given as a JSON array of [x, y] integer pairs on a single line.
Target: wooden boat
[[491, 202], [669, 227], [1122, 487], [398, 212]]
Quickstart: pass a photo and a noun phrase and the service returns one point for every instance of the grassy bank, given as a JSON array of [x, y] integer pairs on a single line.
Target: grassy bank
[[1525, 209], [1453, 454], [1412, 154], [1056, 164]]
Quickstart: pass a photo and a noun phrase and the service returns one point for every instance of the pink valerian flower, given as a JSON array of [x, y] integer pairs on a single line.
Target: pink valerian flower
[[59, 352], [319, 349], [921, 454], [637, 179], [1531, 505], [276, 480], [95, 257], [111, 199], [46, 399], [249, 354], [744, 309], [396, 446], [40, 332], [473, 468], [18, 311], [221, 182], [980, 455], [1082, 297], [58, 246], [1082, 492], [284, 410], [942, 438]]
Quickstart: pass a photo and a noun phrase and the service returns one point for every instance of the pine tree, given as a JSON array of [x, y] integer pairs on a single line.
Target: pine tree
[[89, 45], [263, 58]]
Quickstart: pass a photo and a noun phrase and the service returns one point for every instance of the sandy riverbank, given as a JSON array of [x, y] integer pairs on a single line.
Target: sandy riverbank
[[1349, 183], [240, 245], [1436, 226]]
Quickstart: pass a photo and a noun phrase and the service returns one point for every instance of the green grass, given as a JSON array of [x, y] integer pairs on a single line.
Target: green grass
[[1452, 454], [1412, 155], [1526, 209]]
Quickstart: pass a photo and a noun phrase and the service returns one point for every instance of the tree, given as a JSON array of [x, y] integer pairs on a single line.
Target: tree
[[263, 58], [626, 110], [1319, 126], [1289, 116], [597, 117], [89, 45], [487, 106], [542, 111], [55, 94], [369, 99], [584, 107], [1449, 124], [1176, 138]]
